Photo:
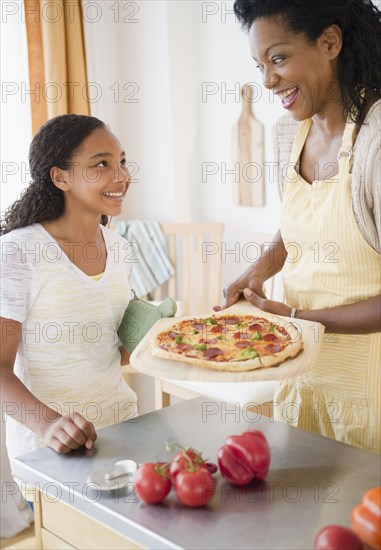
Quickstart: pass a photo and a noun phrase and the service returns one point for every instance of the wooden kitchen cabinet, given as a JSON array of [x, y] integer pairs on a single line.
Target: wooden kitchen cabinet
[[59, 526]]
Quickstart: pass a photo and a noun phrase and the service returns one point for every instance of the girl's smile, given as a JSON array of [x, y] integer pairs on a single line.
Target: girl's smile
[[99, 178]]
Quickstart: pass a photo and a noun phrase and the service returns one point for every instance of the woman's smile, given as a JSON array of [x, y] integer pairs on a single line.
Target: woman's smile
[[289, 96], [299, 72]]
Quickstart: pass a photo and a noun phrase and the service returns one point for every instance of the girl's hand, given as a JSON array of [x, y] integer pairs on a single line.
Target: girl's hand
[[233, 291], [278, 308], [70, 432]]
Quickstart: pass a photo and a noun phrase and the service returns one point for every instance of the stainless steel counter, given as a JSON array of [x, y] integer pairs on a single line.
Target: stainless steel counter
[[313, 481]]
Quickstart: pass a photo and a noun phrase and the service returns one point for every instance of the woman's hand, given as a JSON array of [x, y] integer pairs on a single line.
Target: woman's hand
[[69, 432], [234, 290], [269, 264], [271, 306]]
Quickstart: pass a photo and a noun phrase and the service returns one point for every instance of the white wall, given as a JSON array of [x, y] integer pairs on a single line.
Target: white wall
[[127, 52], [226, 65]]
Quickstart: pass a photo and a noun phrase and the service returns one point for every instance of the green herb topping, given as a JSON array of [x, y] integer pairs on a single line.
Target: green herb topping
[[211, 321], [249, 353], [200, 347]]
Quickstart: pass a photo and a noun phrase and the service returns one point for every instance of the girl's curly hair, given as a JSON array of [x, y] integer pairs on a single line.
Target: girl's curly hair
[[55, 144], [359, 62]]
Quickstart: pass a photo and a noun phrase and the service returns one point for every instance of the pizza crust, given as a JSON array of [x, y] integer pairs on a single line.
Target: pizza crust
[[271, 360], [234, 366]]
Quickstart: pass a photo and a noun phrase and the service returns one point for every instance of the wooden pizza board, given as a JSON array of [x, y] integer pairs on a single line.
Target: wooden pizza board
[[248, 152], [312, 333]]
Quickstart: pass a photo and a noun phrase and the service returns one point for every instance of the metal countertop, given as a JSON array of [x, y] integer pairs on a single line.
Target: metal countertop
[[313, 481]]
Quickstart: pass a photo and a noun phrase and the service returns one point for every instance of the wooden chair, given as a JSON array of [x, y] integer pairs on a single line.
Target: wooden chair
[[241, 393], [194, 250]]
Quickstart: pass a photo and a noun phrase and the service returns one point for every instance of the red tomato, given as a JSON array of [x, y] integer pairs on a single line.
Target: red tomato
[[211, 467], [183, 460], [195, 487], [152, 482], [336, 537]]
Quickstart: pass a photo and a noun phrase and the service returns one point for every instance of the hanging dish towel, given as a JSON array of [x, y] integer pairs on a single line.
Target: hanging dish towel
[[149, 255]]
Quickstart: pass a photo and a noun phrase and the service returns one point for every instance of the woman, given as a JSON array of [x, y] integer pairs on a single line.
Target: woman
[[323, 60]]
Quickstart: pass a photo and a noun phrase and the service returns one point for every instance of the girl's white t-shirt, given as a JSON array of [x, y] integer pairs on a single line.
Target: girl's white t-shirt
[[68, 356]]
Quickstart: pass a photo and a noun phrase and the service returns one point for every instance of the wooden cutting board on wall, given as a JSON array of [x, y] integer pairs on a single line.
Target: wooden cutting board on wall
[[248, 152]]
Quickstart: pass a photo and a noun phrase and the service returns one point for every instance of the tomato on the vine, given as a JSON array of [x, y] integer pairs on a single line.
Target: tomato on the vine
[[186, 457], [182, 459], [194, 486], [152, 482]]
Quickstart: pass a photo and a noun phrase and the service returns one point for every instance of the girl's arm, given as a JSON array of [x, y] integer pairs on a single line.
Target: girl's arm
[[124, 356], [269, 264], [62, 433], [360, 318]]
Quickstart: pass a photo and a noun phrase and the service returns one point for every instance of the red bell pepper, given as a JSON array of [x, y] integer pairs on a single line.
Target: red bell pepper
[[366, 518], [244, 457]]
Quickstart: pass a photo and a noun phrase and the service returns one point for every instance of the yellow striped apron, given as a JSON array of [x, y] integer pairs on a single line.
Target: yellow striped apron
[[329, 263]]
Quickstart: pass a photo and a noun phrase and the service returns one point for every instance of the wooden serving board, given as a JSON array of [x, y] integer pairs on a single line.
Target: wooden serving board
[[248, 152], [312, 333]]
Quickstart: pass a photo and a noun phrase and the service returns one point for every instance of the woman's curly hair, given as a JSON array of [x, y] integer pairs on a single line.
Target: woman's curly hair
[[359, 62], [55, 144]]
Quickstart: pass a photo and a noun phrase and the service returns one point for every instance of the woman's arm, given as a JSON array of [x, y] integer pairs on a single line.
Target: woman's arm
[[360, 318], [270, 263], [62, 433]]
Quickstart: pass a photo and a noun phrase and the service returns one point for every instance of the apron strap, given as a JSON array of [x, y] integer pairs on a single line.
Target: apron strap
[[346, 149], [344, 156], [299, 140]]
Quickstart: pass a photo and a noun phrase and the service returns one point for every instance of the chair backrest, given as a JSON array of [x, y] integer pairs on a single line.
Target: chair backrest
[[195, 251], [273, 287]]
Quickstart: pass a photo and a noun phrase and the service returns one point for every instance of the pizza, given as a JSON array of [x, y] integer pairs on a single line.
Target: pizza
[[229, 342]]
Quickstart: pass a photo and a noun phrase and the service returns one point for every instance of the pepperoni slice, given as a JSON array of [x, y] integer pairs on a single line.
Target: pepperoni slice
[[242, 344], [273, 348], [241, 336], [255, 326], [231, 320], [217, 328], [212, 352], [205, 341], [198, 326], [184, 347], [271, 337], [172, 334]]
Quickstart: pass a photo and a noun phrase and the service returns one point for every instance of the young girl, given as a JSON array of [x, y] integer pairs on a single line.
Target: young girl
[[322, 58], [64, 290]]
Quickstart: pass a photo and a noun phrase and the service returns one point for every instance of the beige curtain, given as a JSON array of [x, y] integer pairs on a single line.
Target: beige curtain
[[57, 60]]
